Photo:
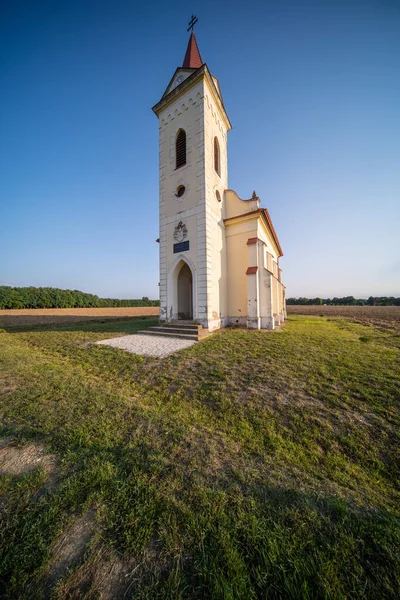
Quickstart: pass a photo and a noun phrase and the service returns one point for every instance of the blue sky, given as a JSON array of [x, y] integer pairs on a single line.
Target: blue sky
[[313, 93]]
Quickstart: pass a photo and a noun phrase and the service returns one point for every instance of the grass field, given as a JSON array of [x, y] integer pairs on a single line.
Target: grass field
[[252, 465]]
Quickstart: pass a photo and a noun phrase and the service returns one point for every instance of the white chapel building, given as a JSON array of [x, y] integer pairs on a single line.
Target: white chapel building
[[219, 254]]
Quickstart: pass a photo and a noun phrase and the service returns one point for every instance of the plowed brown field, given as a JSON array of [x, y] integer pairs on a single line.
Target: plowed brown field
[[384, 317], [53, 316]]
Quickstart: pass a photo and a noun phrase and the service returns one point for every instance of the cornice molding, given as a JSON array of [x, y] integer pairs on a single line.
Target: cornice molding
[[186, 85]]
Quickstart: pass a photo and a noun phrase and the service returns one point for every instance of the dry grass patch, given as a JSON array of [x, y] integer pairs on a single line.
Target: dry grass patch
[[105, 574], [69, 549], [16, 460]]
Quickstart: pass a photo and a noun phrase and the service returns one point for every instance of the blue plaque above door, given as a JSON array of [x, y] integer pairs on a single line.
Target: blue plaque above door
[[181, 247]]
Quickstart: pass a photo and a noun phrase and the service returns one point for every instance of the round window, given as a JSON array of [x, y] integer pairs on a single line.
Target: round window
[[218, 196], [180, 191]]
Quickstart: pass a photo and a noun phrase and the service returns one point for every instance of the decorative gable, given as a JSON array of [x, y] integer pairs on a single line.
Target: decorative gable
[[178, 78]]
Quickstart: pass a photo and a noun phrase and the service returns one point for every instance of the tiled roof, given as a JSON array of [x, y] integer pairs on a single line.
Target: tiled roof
[[192, 58], [264, 213]]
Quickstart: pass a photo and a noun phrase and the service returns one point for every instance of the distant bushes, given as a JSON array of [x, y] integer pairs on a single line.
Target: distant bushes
[[347, 301], [48, 297]]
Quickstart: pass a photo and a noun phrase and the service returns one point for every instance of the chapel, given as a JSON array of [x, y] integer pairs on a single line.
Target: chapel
[[219, 254]]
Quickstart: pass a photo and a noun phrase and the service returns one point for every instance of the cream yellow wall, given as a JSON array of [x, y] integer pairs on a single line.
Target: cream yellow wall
[[234, 206], [237, 235], [269, 263], [275, 292], [272, 264], [264, 235], [259, 291]]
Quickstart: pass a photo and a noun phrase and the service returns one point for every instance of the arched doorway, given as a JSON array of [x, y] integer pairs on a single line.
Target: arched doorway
[[185, 293]]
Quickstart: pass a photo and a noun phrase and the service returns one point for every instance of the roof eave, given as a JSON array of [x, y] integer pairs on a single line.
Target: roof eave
[[272, 229], [263, 213]]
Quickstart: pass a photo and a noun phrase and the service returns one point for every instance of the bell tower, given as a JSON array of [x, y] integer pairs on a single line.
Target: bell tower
[[193, 176]]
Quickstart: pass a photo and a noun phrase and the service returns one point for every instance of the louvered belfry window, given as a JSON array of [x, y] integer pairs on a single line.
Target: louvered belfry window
[[180, 148], [217, 166]]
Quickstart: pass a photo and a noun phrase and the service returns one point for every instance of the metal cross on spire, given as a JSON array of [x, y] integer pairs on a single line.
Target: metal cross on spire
[[192, 22]]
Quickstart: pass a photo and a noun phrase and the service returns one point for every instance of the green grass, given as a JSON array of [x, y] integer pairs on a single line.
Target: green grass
[[252, 465]]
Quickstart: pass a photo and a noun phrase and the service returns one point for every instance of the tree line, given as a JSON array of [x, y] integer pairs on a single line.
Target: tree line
[[348, 301], [48, 297]]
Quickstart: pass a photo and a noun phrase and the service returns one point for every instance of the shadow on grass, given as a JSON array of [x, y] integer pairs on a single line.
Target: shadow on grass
[[203, 541]]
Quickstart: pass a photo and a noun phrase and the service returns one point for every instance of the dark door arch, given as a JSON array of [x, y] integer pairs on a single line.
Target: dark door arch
[[185, 293]]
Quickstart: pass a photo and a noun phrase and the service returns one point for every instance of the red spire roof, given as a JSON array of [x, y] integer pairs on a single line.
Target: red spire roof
[[192, 58]]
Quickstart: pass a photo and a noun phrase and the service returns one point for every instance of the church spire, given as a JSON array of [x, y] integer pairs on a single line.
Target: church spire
[[192, 58]]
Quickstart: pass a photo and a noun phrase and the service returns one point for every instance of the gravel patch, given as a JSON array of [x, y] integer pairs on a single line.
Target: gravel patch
[[149, 345]]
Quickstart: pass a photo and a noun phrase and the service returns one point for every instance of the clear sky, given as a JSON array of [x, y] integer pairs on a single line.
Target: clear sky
[[312, 89]]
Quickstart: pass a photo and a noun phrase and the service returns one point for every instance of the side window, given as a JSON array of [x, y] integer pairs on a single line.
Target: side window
[[217, 161], [270, 266], [180, 149]]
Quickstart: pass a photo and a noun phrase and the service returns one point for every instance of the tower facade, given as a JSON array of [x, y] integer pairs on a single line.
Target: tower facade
[[193, 175], [219, 254]]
